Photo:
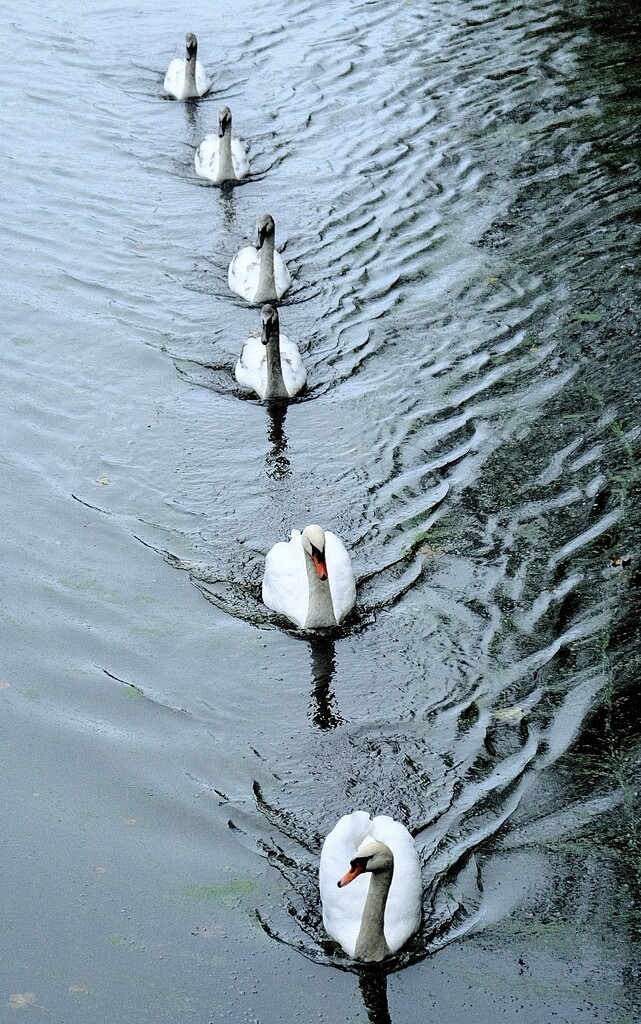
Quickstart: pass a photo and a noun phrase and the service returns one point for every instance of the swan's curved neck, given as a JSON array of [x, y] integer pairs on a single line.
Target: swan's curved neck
[[275, 382], [371, 944], [266, 281], [320, 612], [190, 73], [225, 170]]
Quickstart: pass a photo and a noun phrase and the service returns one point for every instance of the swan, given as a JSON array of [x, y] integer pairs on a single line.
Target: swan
[[259, 273], [376, 915], [187, 79], [271, 364], [222, 157], [309, 579]]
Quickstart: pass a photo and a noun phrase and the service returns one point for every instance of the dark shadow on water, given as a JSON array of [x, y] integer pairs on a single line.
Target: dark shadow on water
[[372, 982], [191, 112], [323, 707], [277, 463], [228, 203]]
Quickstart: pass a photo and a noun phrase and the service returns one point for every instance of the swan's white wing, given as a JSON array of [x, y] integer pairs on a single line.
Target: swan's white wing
[[206, 158], [341, 576], [285, 583], [403, 908], [175, 77], [239, 158], [282, 276], [251, 368], [294, 373], [203, 81], [243, 272], [343, 908]]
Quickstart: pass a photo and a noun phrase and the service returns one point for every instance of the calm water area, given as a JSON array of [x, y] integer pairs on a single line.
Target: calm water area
[[455, 186]]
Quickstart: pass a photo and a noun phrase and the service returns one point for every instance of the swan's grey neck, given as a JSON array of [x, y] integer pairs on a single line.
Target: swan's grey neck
[[275, 383], [225, 170], [266, 281], [321, 609], [190, 76], [371, 944]]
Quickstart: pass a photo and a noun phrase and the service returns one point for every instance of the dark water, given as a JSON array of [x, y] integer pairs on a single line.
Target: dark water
[[457, 188]]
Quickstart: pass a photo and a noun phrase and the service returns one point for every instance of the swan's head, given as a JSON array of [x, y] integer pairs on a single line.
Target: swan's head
[[269, 331], [192, 46], [265, 227], [224, 121], [313, 540], [371, 855]]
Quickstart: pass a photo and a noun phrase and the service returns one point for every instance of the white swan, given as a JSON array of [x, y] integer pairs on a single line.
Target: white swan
[[378, 913], [222, 157], [271, 364], [259, 273], [309, 579], [186, 79]]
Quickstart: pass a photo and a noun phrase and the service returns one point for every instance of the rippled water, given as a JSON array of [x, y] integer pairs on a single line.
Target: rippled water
[[456, 189]]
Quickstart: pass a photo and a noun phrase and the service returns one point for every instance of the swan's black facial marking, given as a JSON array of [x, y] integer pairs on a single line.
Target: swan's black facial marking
[[318, 558], [192, 46], [269, 323], [224, 121], [265, 227], [356, 867]]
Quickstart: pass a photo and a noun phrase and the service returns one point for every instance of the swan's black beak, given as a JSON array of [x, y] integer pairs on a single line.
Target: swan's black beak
[[260, 237], [222, 125], [192, 47]]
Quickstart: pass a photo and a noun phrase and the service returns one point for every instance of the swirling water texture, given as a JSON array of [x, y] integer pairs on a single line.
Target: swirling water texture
[[434, 173]]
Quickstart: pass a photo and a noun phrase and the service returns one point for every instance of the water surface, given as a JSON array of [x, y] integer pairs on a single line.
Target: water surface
[[455, 187]]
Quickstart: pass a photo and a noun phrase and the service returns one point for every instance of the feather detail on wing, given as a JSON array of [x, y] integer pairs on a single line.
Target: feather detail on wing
[[343, 908], [285, 584], [244, 271], [294, 372], [341, 576], [251, 368], [282, 276]]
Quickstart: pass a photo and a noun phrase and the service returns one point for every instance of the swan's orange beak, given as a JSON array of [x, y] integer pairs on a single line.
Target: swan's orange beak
[[320, 565], [354, 871]]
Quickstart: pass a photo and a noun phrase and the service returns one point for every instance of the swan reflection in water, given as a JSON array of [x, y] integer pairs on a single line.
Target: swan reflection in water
[[323, 707], [277, 464], [372, 982], [228, 203]]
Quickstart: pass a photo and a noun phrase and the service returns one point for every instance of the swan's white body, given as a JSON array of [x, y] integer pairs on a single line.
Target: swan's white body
[[221, 157], [292, 587], [344, 908], [186, 77], [259, 273]]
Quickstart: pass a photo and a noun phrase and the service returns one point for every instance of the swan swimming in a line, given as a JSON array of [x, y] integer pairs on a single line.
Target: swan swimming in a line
[[271, 365], [309, 579], [222, 157], [375, 907], [258, 272], [186, 78]]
